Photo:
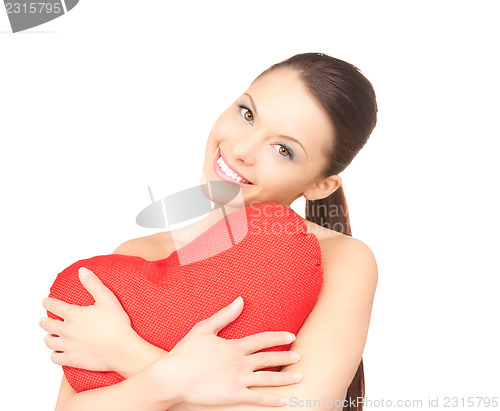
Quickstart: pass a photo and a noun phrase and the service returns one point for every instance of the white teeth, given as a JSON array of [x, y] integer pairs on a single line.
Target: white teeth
[[230, 173]]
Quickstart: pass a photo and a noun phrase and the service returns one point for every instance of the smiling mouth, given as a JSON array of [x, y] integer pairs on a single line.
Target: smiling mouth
[[228, 173]]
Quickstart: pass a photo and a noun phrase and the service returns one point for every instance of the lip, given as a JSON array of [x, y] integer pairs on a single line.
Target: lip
[[223, 176]]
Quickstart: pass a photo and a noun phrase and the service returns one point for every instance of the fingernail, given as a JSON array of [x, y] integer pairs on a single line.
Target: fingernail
[[83, 271], [283, 400], [237, 302], [295, 356], [290, 337], [297, 375]]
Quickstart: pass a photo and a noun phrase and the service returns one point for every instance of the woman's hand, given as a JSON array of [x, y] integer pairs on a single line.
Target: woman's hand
[[89, 336], [209, 370]]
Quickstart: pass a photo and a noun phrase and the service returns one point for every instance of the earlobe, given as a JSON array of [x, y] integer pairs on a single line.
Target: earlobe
[[323, 188]]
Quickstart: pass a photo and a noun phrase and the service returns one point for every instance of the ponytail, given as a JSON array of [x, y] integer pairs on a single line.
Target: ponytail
[[331, 212]]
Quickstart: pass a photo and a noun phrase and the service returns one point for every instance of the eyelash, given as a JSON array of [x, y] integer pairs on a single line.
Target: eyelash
[[290, 151]]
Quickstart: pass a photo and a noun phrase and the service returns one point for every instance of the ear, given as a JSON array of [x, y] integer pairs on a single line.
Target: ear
[[323, 188]]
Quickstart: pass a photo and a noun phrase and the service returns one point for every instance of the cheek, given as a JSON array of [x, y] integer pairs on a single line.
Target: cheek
[[289, 179], [277, 175]]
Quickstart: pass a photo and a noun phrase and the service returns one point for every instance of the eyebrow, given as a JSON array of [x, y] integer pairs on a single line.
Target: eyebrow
[[280, 135]]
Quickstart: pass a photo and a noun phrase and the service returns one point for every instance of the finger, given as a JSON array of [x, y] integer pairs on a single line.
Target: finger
[[95, 287], [58, 358], [272, 379], [53, 342], [221, 318], [261, 360], [266, 339], [257, 398], [57, 307], [51, 325]]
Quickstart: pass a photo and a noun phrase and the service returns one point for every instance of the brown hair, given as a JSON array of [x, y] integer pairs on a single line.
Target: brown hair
[[349, 99]]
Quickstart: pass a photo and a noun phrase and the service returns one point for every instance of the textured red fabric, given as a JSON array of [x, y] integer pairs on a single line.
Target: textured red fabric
[[266, 256]]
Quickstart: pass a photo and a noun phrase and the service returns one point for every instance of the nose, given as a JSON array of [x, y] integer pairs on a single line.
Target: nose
[[244, 151]]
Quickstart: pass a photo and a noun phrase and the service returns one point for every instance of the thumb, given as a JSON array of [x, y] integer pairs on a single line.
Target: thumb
[[221, 318], [94, 286]]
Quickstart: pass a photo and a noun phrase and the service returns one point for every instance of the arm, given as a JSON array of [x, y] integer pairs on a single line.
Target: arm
[[201, 369], [140, 392], [332, 339]]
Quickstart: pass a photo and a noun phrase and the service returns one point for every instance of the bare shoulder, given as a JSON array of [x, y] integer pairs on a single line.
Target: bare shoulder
[[343, 254], [151, 247], [349, 252]]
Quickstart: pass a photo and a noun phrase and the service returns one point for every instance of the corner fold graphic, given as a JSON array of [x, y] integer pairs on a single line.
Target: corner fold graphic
[[70, 4], [25, 14]]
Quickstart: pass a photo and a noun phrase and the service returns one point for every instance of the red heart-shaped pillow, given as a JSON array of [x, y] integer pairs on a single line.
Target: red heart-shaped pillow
[[261, 252]]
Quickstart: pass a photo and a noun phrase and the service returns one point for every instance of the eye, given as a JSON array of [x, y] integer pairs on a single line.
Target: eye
[[248, 115], [284, 150]]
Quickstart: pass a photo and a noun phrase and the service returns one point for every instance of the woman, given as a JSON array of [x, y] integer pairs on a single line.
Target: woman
[[298, 125]]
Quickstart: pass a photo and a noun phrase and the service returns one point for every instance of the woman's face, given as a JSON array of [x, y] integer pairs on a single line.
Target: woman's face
[[276, 136]]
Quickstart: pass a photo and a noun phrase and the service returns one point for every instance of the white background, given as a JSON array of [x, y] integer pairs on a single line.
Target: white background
[[118, 95]]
